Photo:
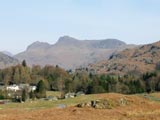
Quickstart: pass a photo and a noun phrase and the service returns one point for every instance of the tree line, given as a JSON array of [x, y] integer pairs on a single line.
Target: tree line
[[57, 79]]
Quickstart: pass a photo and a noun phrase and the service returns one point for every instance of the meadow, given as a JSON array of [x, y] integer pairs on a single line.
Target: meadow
[[139, 107]]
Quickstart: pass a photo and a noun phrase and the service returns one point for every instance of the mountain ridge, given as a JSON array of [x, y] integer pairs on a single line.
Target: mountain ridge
[[69, 52]]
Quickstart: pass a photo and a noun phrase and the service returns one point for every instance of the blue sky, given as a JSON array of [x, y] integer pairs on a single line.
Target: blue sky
[[23, 22]]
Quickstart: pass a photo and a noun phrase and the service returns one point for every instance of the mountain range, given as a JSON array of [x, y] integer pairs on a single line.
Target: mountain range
[[71, 53], [109, 56]]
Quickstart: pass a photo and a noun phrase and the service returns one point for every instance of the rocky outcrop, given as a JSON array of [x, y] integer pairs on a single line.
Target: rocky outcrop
[[105, 103]]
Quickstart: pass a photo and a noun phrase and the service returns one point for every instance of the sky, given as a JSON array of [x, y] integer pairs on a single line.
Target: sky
[[23, 22]]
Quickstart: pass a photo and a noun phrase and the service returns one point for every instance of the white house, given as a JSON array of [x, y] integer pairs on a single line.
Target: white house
[[32, 88], [13, 88], [23, 86]]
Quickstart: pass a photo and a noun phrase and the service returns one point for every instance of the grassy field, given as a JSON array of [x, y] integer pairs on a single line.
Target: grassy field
[[53, 93], [140, 107], [40, 104]]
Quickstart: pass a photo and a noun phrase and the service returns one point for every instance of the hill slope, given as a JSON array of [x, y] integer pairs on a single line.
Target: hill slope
[[6, 61], [136, 107], [70, 53], [137, 60]]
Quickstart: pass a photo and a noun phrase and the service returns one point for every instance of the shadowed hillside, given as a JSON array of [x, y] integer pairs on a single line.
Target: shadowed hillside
[[6, 61], [137, 60]]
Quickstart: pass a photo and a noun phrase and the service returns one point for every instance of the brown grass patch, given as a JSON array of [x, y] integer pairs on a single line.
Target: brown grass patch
[[140, 109]]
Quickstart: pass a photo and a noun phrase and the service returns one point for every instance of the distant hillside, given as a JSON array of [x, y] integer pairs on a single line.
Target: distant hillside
[[137, 60], [6, 61], [7, 53], [70, 53]]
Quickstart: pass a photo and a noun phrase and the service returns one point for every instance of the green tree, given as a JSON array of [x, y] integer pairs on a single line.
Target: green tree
[[25, 94], [2, 95], [41, 89], [98, 89], [16, 76], [32, 95], [25, 74], [24, 64]]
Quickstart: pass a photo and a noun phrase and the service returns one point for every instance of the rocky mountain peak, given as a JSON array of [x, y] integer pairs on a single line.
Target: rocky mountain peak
[[38, 45], [67, 40]]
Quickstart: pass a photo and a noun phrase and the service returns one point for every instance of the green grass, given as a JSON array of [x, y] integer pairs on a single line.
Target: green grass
[[53, 93], [40, 104], [151, 97]]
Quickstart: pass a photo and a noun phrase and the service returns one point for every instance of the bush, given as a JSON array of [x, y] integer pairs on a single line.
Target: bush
[[2, 95]]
